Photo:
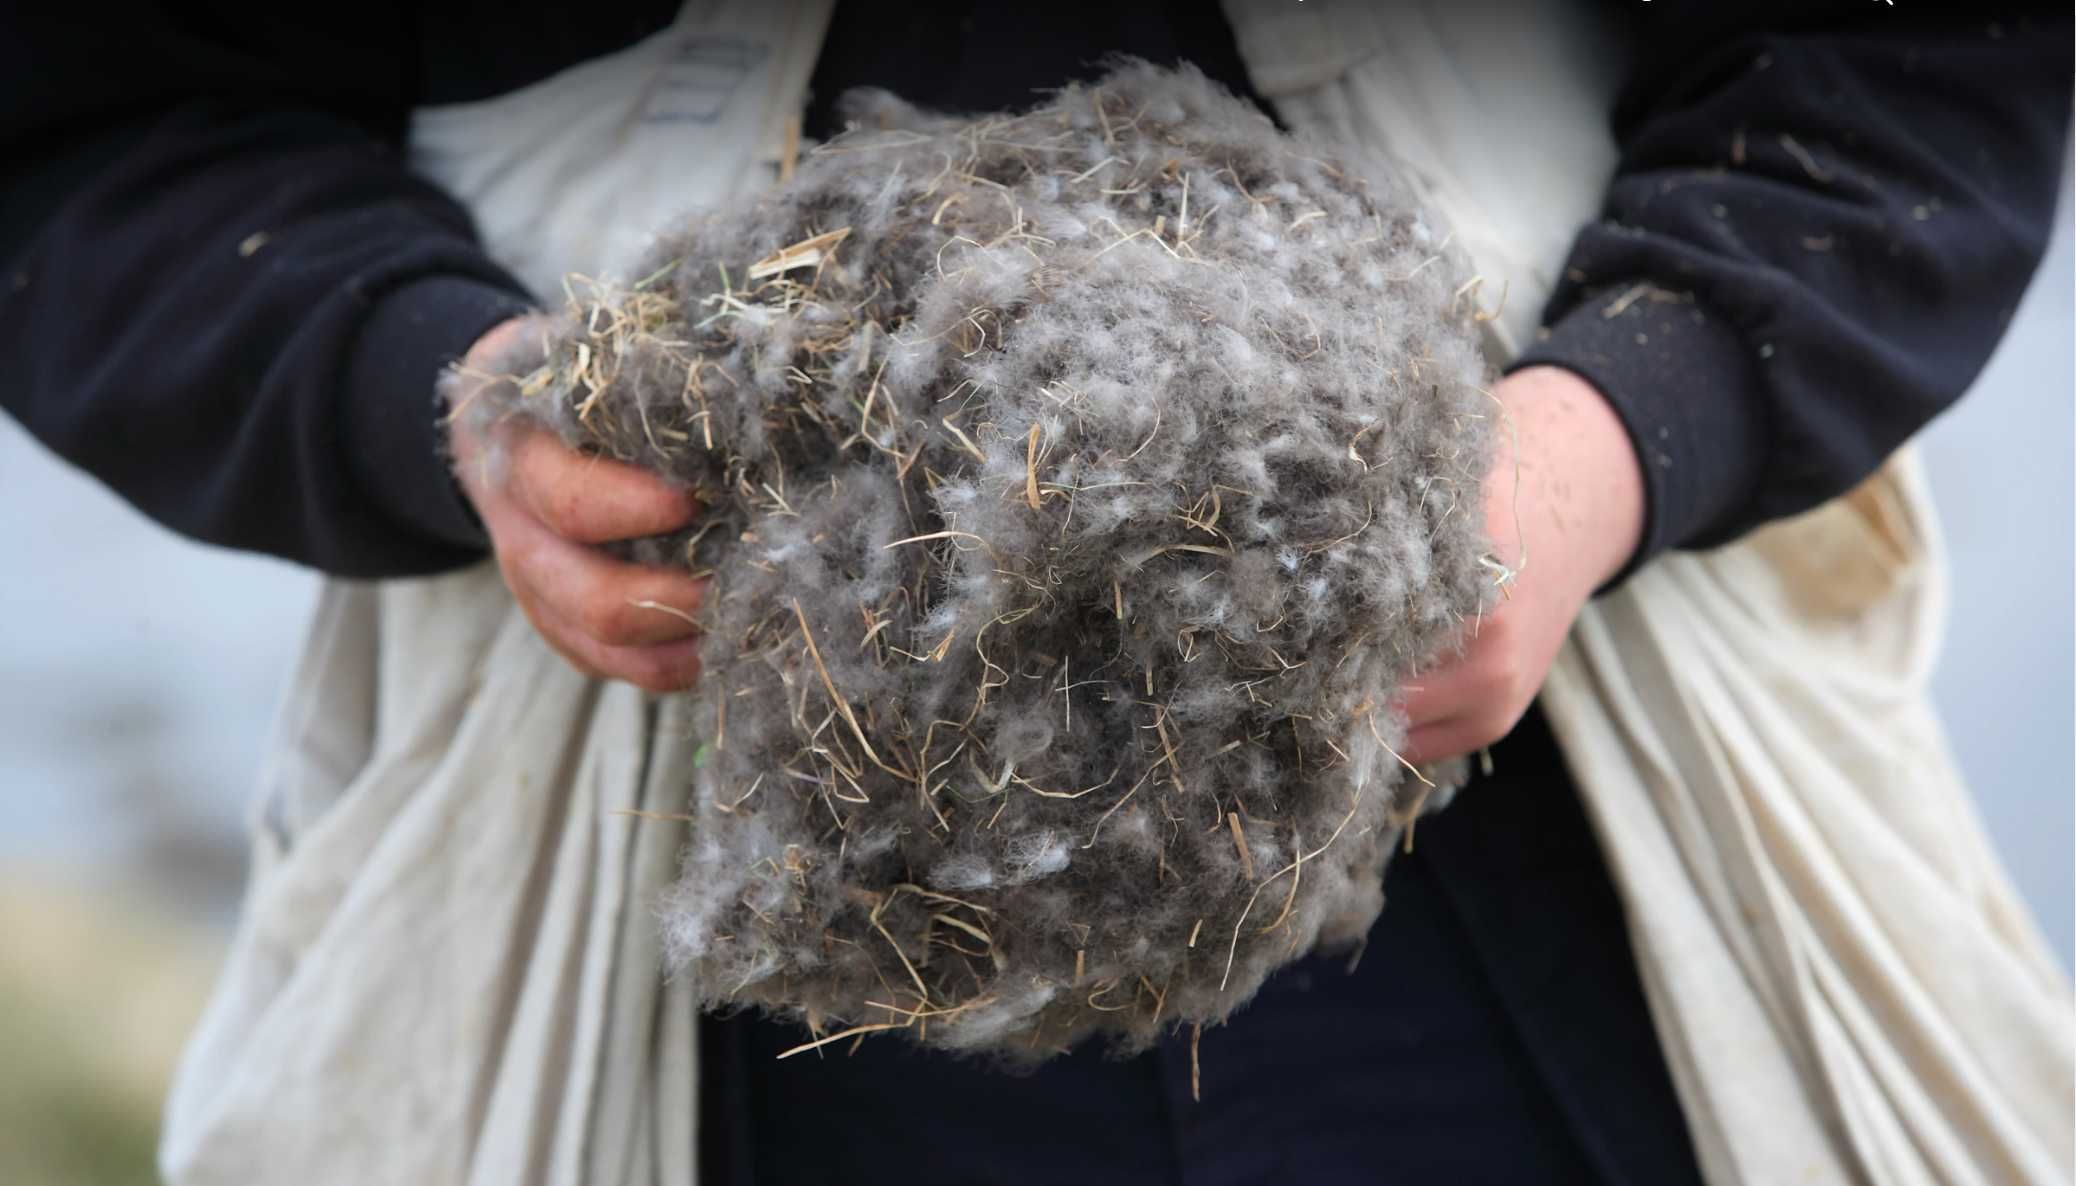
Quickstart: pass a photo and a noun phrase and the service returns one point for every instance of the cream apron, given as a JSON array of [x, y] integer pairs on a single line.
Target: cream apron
[[1846, 986], [446, 971]]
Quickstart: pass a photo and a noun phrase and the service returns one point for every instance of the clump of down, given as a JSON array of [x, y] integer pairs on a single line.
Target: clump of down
[[1080, 485]]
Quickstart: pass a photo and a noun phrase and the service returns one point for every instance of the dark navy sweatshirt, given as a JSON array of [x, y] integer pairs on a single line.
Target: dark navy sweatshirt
[[224, 295]]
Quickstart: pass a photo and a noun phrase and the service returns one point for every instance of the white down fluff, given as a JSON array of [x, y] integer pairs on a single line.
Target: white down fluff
[[1080, 486]]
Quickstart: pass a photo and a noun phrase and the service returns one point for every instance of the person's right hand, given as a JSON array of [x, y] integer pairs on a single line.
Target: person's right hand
[[546, 507]]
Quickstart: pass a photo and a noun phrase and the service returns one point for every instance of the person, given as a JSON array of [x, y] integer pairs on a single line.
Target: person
[[228, 296]]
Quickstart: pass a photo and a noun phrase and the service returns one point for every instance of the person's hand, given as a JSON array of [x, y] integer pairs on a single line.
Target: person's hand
[[545, 507], [1573, 507]]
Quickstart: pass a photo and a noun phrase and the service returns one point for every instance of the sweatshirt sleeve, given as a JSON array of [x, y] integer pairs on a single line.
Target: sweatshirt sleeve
[[225, 296], [1813, 240]]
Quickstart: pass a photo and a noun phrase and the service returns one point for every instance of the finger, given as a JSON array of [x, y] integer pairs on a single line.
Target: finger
[[1478, 724], [551, 629], [1437, 695], [615, 603], [660, 667], [668, 667], [592, 500], [1440, 740], [612, 602]]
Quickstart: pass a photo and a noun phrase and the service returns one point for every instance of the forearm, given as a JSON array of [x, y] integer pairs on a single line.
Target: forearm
[[1808, 251], [234, 316], [1565, 508]]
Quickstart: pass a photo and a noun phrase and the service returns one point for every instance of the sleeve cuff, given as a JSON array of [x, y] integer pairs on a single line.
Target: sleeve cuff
[[1685, 385], [393, 434]]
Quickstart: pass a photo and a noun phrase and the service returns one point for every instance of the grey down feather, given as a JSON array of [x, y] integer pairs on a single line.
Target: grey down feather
[[1079, 487]]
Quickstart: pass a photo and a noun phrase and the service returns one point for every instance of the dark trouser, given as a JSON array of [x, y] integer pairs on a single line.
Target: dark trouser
[[1492, 1032]]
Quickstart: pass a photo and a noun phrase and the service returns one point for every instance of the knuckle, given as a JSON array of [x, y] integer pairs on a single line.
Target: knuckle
[[563, 512], [1488, 682], [1507, 674], [601, 617]]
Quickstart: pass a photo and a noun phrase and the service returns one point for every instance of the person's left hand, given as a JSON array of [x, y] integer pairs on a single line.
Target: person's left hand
[[1573, 508], [547, 509]]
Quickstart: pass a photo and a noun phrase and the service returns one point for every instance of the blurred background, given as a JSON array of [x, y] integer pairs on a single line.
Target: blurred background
[[138, 674]]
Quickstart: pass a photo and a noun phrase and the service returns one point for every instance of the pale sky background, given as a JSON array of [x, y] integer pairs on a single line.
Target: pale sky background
[[2002, 466], [138, 672]]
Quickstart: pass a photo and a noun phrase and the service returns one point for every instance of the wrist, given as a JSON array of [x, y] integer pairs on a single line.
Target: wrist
[[1686, 384], [498, 355], [499, 347], [1567, 481]]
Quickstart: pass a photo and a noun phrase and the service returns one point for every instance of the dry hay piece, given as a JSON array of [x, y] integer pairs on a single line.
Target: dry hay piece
[[1079, 485]]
